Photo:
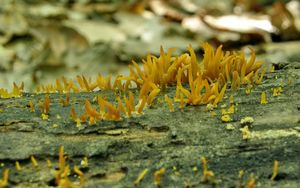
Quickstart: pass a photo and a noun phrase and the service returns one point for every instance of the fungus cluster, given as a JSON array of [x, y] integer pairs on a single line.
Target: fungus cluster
[[197, 83], [16, 91]]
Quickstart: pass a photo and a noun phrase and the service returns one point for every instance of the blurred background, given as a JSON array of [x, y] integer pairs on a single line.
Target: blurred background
[[41, 40]]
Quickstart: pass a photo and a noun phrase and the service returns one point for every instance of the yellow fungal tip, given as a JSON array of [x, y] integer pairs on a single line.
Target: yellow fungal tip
[[18, 166], [226, 118], [141, 176], [263, 98], [34, 161], [44, 116], [157, 176], [275, 170]]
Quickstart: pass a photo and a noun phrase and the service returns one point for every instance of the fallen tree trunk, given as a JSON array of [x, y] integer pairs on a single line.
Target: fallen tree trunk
[[115, 153]]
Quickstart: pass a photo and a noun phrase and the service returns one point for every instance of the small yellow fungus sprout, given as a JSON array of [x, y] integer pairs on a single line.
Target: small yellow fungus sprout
[[213, 114], [240, 177], [251, 182], [31, 106], [91, 112], [272, 70], [61, 158], [275, 170], [140, 177], [230, 127], [58, 86], [49, 163], [17, 90], [152, 96], [45, 106], [170, 103], [18, 166], [74, 117], [247, 121], [210, 107], [277, 91], [62, 179], [263, 98], [195, 169], [80, 174], [34, 162], [141, 104], [129, 103], [84, 162], [182, 102], [226, 118], [249, 89], [83, 83], [113, 112], [65, 102], [103, 83], [45, 116], [259, 80], [73, 114], [246, 133], [229, 111], [4, 180], [175, 171], [157, 176], [61, 175], [207, 174], [55, 125]]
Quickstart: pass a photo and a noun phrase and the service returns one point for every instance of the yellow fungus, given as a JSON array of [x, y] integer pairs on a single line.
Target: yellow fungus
[[84, 162], [275, 170], [65, 102], [142, 104], [80, 174], [46, 105], [230, 127], [34, 161], [226, 118], [4, 180], [55, 125], [213, 114], [263, 98], [175, 171], [31, 106], [45, 116], [207, 174], [245, 133], [170, 103], [195, 169], [249, 89], [240, 178], [247, 121], [210, 107], [18, 166], [277, 91], [157, 176], [152, 96], [140, 177], [61, 159], [251, 182], [49, 163]]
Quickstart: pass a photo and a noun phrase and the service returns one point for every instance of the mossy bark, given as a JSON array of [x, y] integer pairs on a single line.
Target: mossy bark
[[118, 152]]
